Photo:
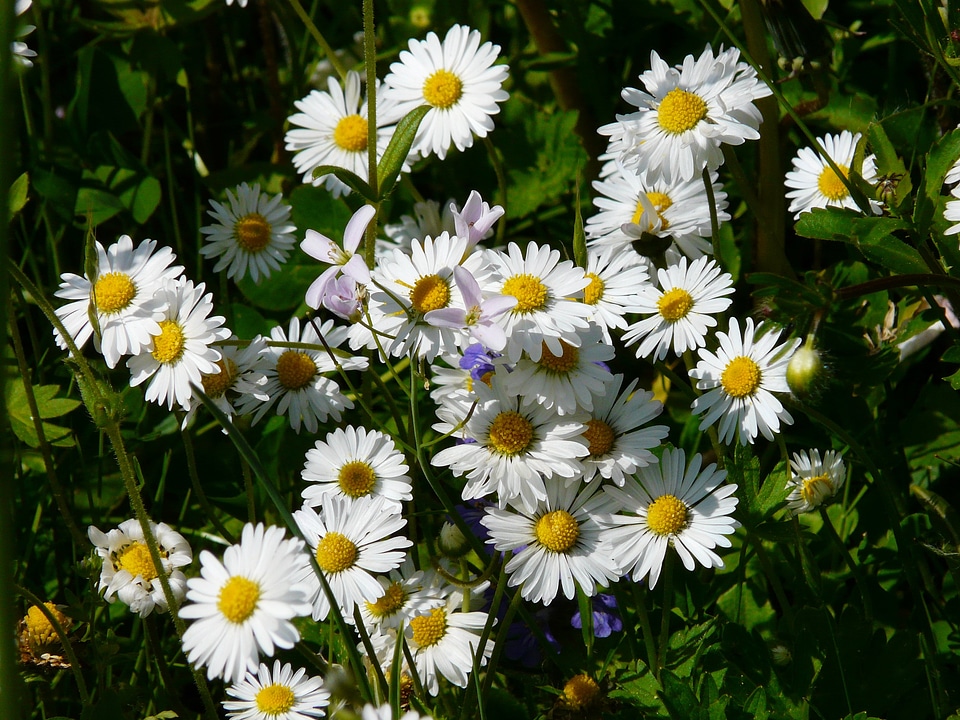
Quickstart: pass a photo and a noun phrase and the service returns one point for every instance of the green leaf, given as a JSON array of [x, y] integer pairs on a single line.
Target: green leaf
[[110, 190], [354, 182], [889, 163], [18, 193], [873, 236], [679, 699], [399, 148], [579, 238], [940, 159], [48, 405]]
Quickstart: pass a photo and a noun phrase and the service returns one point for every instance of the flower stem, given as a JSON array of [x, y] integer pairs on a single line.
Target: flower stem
[[641, 596], [321, 41], [852, 565], [667, 576]]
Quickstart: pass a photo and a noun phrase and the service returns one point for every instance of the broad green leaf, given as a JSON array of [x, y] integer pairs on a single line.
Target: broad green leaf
[[940, 159], [399, 149], [18, 194], [48, 405], [889, 163], [354, 182], [679, 699], [313, 208]]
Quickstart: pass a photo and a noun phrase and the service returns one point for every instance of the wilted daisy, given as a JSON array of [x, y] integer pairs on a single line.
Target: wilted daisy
[[457, 79], [277, 694], [254, 233], [814, 184], [331, 129], [688, 112], [671, 505], [296, 382], [616, 277], [679, 312], [125, 297], [355, 463], [353, 541], [39, 641], [244, 605], [618, 442], [558, 543], [814, 481], [128, 572], [181, 351], [740, 379]]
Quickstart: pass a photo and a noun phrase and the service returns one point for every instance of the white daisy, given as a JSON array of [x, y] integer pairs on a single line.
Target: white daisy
[[241, 373], [814, 481], [280, 694], [616, 277], [385, 712], [355, 463], [181, 350], [21, 53], [951, 212], [617, 441], [513, 448], [353, 541], [679, 312], [426, 221], [253, 233], [128, 572], [558, 544], [547, 309], [296, 382], [814, 184], [332, 129], [682, 211], [457, 79], [406, 593], [452, 385], [125, 296], [244, 605], [741, 378], [671, 505], [688, 112]]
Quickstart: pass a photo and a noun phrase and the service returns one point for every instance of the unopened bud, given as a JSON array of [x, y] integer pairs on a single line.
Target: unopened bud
[[452, 543], [805, 369], [781, 655]]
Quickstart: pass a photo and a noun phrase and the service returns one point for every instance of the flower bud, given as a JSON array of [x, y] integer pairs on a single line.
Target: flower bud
[[452, 543], [805, 370], [781, 655]]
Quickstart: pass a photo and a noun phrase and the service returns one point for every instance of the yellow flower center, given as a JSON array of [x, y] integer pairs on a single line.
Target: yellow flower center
[[660, 203], [113, 292], [252, 232], [741, 377], [557, 531], [392, 600], [169, 344], [429, 629], [40, 631], [600, 437], [351, 133], [830, 185], [816, 489], [530, 292], [295, 369], [510, 433], [580, 691], [667, 515], [356, 478], [275, 699], [136, 560], [442, 89], [335, 553], [675, 304], [238, 599], [561, 364], [431, 292], [681, 111], [215, 385], [593, 293]]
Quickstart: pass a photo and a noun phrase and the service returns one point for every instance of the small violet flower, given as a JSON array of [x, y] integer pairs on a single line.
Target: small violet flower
[[476, 219], [343, 260], [478, 318], [606, 619]]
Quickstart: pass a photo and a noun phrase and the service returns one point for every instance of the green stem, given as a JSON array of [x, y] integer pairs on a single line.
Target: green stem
[[898, 281], [501, 186], [499, 647], [714, 222], [321, 41], [640, 595], [667, 578], [371, 653], [485, 633], [187, 436], [772, 578], [854, 568]]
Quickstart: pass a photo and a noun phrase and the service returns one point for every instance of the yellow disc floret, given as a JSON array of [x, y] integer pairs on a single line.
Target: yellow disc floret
[[817, 489], [510, 433], [557, 531], [40, 631], [252, 232], [560, 364], [593, 293], [295, 369], [600, 437], [580, 691], [830, 185], [741, 377], [168, 346], [215, 385], [274, 700], [660, 203], [530, 292], [674, 304], [429, 629], [680, 111], [431, 292], [113, 292], [356, 478], [392, 600], [336, 553], [443, 89], [667, 515], [351, 133], [238, 599], [136, 560]]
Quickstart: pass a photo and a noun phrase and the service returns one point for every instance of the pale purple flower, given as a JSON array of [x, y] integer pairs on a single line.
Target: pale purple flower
[[478, 318], [342, 260], [476, 219], [342, 297]]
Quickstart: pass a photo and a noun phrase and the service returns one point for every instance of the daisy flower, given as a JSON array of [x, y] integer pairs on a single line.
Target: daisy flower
[[254, 233], [332, 129], [125, 296], [21, 53], [241, 373], [680, 211], [558, 543], [445, 642], [687, 112], [671, 505], [617, 441], [514, 447], [296, 382], [814, 481], [616, 277], [353, 541], [355, 463], [278, 694], [679, 312], [478, 317], [459, 82], [244, 604], [406, 593], [546, 309], [426, 221], [740, 379], [385, 712], [181, 350], [567, 381], [951, 212], [128, 572], [814, 184]]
